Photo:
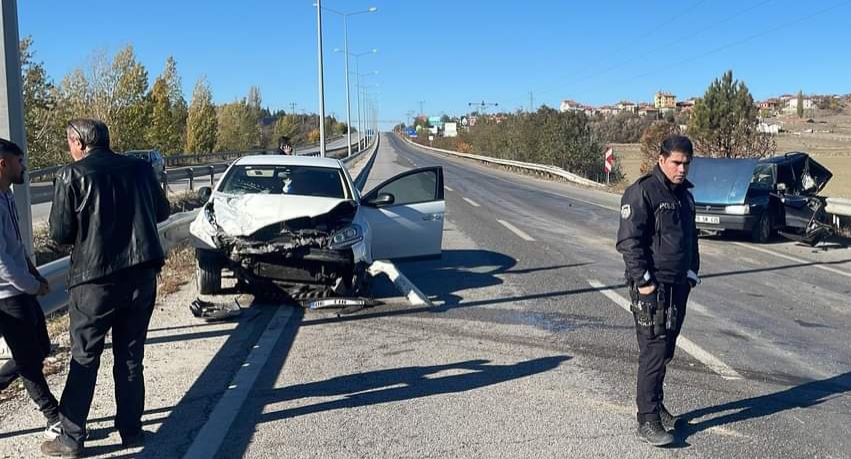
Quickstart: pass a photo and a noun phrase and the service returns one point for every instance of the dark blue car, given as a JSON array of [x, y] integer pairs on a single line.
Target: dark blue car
[[761, 197]]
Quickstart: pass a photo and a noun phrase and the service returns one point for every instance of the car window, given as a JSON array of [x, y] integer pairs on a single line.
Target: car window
[[293, 180], [419, 187], [763, 174]]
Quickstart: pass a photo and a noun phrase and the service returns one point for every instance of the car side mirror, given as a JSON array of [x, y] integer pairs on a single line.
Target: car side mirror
[[204, 193], [382, 200], [781, 187]]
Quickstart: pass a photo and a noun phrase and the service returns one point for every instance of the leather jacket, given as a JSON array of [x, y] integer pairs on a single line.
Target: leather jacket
[[108, 206]]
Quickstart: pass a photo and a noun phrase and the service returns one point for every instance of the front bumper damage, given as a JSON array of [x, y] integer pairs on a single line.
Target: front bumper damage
[[301, 259]]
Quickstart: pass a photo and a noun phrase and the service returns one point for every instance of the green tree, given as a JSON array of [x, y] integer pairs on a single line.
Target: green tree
[[724, 123], [290, 126], [800, 104], [125, 91], [202, 123], [179, 110], [45, 131], [167, 127], [237, 127]]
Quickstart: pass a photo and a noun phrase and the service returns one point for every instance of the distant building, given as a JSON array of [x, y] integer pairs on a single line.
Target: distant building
[[766, 128], [570, 106], [686, 105], [627, 106], [769, 104], [792, 104], [647, 110], [665, 100]]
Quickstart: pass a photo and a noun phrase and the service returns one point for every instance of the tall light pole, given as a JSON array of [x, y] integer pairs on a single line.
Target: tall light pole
[[361, 113], [321, 79], [348, 105], [346, 51]]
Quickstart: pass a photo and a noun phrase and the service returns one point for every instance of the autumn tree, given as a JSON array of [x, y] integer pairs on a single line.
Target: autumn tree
[[202, 124]]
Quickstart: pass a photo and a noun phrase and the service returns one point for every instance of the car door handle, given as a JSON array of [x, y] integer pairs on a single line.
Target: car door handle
[[433, 218]]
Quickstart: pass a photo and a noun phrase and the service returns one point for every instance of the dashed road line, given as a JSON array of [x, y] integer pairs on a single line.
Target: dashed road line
[[520, 233], [447, 188], [713, 363], [471, 202]]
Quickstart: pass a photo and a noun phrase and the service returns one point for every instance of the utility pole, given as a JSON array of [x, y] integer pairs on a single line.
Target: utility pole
[[321, 79], [12, 111], [421, 102], [292, 108], [483, 106]]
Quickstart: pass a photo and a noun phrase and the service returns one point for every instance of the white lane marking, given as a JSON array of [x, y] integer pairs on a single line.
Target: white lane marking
[[683, 343], [471, 202], [447, 188], [813, 264], [209, 439], [516, 230]]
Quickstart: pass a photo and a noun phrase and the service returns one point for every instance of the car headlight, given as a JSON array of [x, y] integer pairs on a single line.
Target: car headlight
[[738, 210], [346, 237]]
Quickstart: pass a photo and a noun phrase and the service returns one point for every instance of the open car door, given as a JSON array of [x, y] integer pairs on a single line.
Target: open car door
[[405, 214]]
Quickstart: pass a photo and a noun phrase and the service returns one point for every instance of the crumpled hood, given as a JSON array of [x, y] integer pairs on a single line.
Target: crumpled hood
[[244, 215]]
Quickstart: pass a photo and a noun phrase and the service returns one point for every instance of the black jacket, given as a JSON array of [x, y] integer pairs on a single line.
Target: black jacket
[[108, 206], [657, 235]]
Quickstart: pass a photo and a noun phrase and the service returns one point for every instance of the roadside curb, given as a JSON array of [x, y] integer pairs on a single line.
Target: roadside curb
[[407, 288]]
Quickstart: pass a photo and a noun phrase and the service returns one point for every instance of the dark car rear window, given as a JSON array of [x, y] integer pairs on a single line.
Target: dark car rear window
[[294, 180]]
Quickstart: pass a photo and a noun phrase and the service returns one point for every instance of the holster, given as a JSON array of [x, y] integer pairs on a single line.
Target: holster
[[653, 319]]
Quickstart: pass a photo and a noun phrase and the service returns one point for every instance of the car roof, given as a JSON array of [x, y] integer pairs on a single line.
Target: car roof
[[287, 160]]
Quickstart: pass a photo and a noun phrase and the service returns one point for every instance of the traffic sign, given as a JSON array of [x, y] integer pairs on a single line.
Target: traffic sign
[[610, 160]]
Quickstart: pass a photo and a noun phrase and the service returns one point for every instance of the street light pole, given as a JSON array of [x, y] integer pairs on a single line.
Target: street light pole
[[348, 103], [321, 80]]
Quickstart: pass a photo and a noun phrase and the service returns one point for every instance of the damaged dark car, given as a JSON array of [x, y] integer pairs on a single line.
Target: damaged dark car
[[762, 197]]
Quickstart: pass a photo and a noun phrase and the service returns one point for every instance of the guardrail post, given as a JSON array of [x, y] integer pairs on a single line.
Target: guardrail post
[[165, 182], [189, 172], [212, 176]]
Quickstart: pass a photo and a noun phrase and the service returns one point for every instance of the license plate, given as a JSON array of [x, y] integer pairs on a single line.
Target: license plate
[[708, 219]]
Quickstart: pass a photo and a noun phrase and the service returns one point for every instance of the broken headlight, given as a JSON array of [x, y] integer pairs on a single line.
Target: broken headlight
[[346, 237]]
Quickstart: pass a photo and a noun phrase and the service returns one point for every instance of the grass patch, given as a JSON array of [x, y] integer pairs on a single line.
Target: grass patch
[[187, 200]]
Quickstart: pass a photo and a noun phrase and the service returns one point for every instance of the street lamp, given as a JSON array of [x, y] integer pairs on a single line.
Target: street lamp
[[346, 51], [361, 114], [367, 111], [318, 6], [348, 105]]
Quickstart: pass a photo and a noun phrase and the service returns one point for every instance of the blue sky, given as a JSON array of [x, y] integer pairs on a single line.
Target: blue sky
[[451, 53]]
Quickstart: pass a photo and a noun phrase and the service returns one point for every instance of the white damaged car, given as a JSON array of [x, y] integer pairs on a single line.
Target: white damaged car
[[295, 227]]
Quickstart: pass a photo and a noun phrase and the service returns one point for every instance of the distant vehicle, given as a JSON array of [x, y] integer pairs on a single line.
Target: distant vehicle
[[152, 157], [762, 197], [297, 228]]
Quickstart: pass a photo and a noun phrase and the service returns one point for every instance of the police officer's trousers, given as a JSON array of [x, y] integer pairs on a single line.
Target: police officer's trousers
[[654, 354]]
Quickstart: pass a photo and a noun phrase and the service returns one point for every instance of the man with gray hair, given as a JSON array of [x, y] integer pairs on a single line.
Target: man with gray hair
[[108, 206]]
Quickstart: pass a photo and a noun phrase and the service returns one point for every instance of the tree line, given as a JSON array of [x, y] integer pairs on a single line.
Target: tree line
[[140, 115], [723, 124]]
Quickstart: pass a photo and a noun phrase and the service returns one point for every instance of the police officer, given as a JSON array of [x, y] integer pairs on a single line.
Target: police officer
[[658, 240]]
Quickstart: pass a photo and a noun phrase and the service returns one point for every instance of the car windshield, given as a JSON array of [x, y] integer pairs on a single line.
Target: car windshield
[[763, 174], [293, 180]]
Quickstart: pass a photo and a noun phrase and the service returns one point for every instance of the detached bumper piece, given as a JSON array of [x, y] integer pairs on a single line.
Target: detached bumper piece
[[213, 312]]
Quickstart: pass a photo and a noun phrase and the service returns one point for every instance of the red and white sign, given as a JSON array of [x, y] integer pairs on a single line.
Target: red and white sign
[[610, 160]]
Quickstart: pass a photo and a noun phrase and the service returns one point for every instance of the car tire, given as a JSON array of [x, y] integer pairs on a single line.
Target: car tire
[[762, 230], [208, 275]]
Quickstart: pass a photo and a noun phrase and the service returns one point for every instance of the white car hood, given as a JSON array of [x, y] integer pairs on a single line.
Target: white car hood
[[244, 215]]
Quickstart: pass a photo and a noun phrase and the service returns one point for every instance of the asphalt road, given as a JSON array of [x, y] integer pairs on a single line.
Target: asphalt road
[[527, 353]]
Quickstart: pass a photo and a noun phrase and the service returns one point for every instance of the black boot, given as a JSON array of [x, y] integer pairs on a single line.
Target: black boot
[[652, 432], [669, 421]]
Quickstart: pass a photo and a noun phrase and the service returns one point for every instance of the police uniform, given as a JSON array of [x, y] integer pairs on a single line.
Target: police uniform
[[657, 237]]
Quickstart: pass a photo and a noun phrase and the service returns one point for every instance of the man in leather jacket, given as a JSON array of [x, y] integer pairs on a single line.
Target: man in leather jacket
[[108, 206], [657, 237]]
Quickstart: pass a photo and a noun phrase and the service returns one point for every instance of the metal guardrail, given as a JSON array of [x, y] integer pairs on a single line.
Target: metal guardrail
[[839, 206], [540, 168]]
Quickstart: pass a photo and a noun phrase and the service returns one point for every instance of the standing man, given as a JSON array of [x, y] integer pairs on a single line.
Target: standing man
[[21, 318], [108, 206], [658, 240], [285, 147]]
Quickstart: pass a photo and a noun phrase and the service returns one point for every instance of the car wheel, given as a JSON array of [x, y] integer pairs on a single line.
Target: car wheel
[[208, 275], [762, 231]]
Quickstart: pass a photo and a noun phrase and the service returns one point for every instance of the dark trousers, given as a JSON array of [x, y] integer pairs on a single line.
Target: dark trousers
[[123, 302], [23, 326], [654, 353]]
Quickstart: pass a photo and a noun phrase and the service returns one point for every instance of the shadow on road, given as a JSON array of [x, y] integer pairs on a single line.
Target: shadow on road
[[803, 396]]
